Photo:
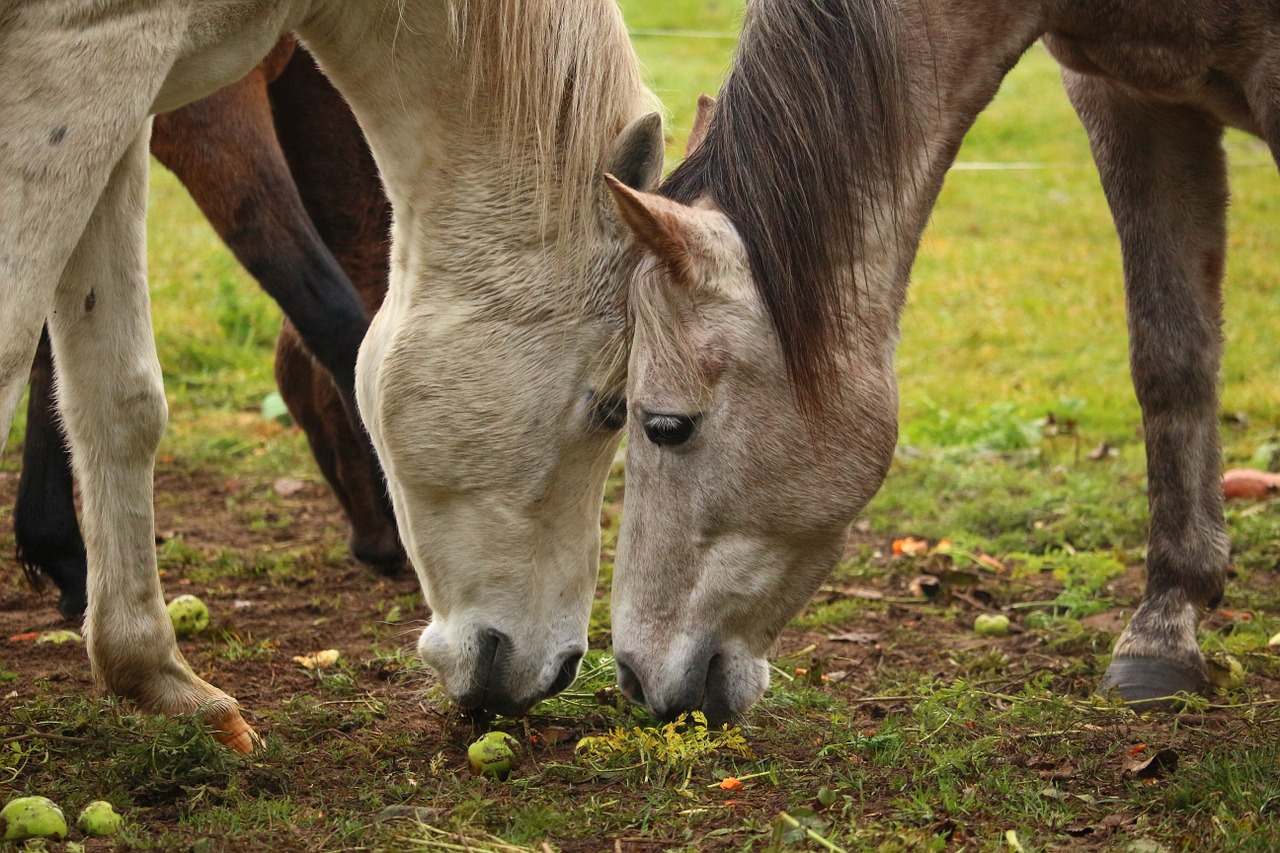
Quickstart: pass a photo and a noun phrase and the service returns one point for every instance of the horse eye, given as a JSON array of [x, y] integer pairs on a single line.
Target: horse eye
[[669, 430], [608, 412]]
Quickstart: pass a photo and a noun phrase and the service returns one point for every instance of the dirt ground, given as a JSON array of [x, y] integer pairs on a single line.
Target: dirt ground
[[320, 598]]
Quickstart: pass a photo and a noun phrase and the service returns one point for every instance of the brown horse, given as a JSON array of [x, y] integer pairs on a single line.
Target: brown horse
[[278, 165]]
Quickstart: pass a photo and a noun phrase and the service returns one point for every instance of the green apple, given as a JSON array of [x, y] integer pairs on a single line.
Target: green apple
[[189, 615], [99, 818], [493, 756], [32, 817], [991, 624]]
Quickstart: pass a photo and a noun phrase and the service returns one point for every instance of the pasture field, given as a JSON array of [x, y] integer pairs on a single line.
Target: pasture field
[[891, 725]]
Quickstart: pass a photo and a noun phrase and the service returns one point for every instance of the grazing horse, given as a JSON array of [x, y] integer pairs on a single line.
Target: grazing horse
[[280, 168], [761, 391], [489, 378]]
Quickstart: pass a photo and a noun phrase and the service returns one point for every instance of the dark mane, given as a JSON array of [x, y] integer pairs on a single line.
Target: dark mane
[[811, 120]]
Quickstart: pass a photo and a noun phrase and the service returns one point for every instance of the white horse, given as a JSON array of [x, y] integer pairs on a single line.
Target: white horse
[[491, 376], [763, 403]]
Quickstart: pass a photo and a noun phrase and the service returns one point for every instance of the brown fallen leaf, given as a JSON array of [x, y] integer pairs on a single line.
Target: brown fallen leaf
[[909, 546], [1249, 483], [1163, 761]]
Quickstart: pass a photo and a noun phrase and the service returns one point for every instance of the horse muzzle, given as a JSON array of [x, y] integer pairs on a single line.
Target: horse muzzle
[[721, 683], [492, 678]]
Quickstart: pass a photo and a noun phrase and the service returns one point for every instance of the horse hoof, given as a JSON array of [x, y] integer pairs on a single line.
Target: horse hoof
[[72, 607], [1148, 683], [230, 730]]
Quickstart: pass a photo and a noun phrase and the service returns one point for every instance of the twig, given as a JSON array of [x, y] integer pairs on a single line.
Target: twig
[[45, 736], [813, 836]]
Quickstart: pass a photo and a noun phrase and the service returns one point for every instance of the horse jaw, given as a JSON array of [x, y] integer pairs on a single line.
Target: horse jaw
[[726, 535]]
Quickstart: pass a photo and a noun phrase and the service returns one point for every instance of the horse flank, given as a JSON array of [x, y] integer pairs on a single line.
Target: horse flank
[[586, 89], [810, 123]]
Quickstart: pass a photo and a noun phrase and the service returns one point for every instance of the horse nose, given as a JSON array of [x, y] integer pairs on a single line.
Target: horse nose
[[703, 689], [629, 682], [568, 672], [491, 690], [487, 691]]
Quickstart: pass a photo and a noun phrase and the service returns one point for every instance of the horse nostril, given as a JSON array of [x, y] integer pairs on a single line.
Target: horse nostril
[[629, 683], [568, 672]]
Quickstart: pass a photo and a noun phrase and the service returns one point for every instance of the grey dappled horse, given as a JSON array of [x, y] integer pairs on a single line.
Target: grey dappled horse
[[763, 404]]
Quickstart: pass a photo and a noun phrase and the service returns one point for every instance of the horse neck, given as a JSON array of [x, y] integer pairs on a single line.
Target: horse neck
[[958, 53], [472, 125]]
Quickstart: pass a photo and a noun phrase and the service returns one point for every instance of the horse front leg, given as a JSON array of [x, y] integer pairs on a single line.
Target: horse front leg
[[1164, 173], [113, 405], [44, 516]]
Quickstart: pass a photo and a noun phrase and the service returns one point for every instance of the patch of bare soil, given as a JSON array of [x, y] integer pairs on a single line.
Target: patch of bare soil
[[324, 600], [282, 578]]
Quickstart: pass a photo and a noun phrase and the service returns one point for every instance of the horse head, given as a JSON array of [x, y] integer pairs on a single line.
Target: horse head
[[740, 493], [497, 412]]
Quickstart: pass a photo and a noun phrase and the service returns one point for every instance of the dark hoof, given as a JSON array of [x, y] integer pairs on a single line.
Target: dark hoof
[[1150, 683], [72, 606], [388, 560]]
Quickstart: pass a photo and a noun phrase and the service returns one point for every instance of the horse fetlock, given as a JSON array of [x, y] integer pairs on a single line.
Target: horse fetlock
[[1157, 655]]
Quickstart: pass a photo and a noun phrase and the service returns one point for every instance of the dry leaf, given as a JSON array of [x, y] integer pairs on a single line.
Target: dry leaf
[[1164, 761], [315, 660], [909, 546]]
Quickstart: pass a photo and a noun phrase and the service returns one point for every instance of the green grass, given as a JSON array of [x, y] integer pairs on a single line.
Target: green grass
[[916, 736]]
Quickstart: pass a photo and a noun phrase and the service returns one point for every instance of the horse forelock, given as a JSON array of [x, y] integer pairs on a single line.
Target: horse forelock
[[804, 154], [554, 83]]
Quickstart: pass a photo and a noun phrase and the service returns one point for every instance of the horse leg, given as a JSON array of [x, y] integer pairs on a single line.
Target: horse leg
[[316, 405], [338, 182], [44, 516], [1164, 173], [113, 406], [225, 150]]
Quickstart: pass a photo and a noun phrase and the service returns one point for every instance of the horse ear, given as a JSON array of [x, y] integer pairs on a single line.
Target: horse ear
[[655, 223], [638, 152], [701, 121]]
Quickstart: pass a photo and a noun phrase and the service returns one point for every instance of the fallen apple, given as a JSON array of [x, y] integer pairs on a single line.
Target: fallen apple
[[99, 818], [32, 817], [189, 615], [991, 624], [493, 756]]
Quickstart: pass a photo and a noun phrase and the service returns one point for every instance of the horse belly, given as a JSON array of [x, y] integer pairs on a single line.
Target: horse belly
[[223, 42], [1165, 73]]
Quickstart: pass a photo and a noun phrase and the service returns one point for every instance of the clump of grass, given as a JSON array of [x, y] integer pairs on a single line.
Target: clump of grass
[[98, 747], [662, 753]]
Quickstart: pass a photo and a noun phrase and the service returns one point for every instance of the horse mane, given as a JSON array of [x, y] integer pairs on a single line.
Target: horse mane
[[558, 76], [810, 123]]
